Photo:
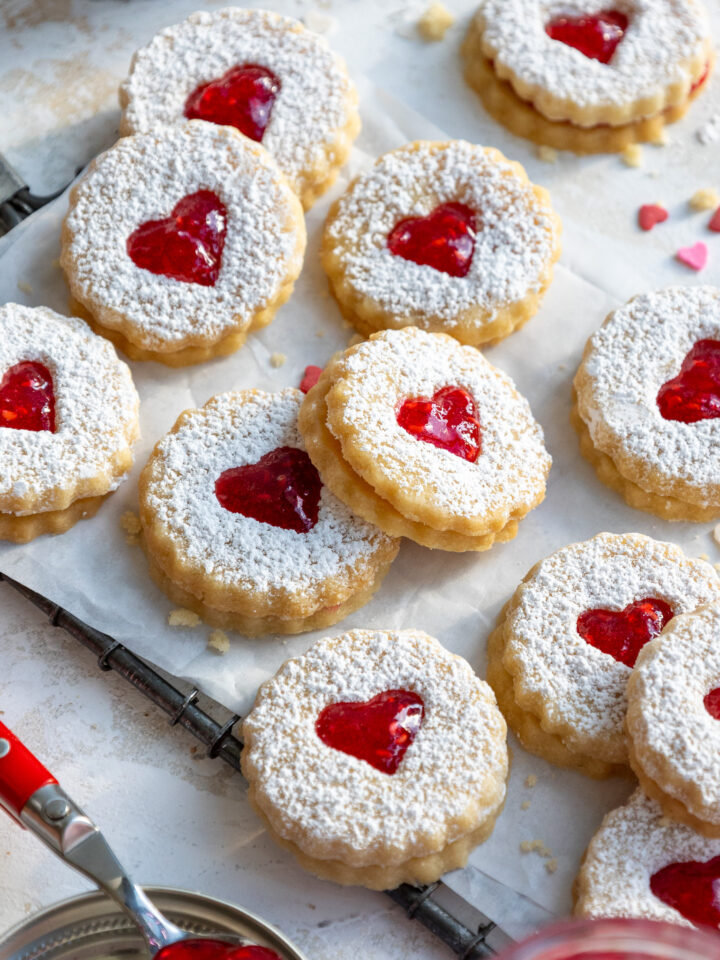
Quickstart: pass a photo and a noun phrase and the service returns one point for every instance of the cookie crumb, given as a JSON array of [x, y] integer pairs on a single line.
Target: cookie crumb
[[632, 155], [546, 154], [709, 132], [525, 805], [130, 522], [183, 618], [319, 22], [716, 534], [277, 359], [531, 780], [703, 556], [218, 642], [551, 865], [526, 846], [665, 822], [24, 287], [704, 199], [435, 22], [320, 334]]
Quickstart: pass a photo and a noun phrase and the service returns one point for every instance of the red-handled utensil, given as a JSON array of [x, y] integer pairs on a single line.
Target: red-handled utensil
[[33, 797]]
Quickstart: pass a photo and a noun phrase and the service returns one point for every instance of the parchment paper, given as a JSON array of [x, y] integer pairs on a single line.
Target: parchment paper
[[98, 576]]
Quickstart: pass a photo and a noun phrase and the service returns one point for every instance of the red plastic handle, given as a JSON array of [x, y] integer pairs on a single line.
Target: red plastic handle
[[21, 774]]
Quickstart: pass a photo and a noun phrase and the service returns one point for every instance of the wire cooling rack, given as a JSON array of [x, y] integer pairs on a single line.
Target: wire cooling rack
[[469, 940]]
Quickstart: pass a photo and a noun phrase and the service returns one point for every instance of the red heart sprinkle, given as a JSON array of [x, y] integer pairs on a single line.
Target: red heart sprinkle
[[650, 214], [694, 394], [714, 224], [444, 239], [694, 257], [378, 731], [596, 36], [282, 488], [243, 98], [310, 378], [692, 888], [27, 398], [187, 245], [623, 633], [207, 949], [448, 420]]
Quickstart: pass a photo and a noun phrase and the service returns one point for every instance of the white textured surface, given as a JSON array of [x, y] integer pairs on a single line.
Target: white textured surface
[[95, 409], [314, 794], [514, 241], [581, 686], [633, 843], [235, 549], [660, 39]]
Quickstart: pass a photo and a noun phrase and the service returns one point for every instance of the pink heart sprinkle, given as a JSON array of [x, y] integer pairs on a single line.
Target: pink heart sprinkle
[[715, 221], [311, 377], [650, 214], [694, 257]]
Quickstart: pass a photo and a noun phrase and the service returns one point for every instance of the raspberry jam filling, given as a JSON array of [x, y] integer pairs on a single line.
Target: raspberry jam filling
[[282, 489], [712, 705], [444, 239], [27, 398], [623, 633], [207, 949], [692, 888], [187, 245], [694, 394], [243, 98], [596, 36], [378, 731], [449, 420]]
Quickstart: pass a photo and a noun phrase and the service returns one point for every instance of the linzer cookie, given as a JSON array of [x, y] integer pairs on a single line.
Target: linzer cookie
[[567, 642], [641, 864], [238, 526], [673, 720], [377, 758], [424, 438], [68, 419], [648, 402], [266, 75], [178, 243], [588, 75], [449, 237]]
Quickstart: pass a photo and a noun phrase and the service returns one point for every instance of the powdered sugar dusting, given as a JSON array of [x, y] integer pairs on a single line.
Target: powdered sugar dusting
[[398, 364], [333, 798], [516, 233], [709, 132], [633, 843], [310, 110], [662, 37], [141, 178], [676, 740], [231, 430], [95, 410], [581, 687], [639, 348]]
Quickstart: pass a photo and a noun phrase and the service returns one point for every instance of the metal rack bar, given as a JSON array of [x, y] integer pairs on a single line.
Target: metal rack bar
[[219, 741]]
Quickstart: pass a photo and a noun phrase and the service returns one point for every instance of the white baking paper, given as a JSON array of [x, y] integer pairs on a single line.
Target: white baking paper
[[93, 571]]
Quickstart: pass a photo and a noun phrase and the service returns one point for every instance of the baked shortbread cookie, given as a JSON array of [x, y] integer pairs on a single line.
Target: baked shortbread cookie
[[447, 236], [641, 864], [587, 75], [377, 758], [648, 402], [68, 419], [560, 657], [238, 527], [178, 243], [263, 74], [425, 439], [673, 719]]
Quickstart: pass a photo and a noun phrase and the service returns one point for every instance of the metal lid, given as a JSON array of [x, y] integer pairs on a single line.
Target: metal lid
[[92, 927]]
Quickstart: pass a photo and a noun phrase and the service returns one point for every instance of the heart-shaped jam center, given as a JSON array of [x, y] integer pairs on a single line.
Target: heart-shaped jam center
[[378, 731], [282, 488], [243, 98], [187, 245], [712, 703], [27, 398], [444, 239], [694, 394], [594, 35], [623, 633], [208, 949], [449, 420], [692, 888]]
